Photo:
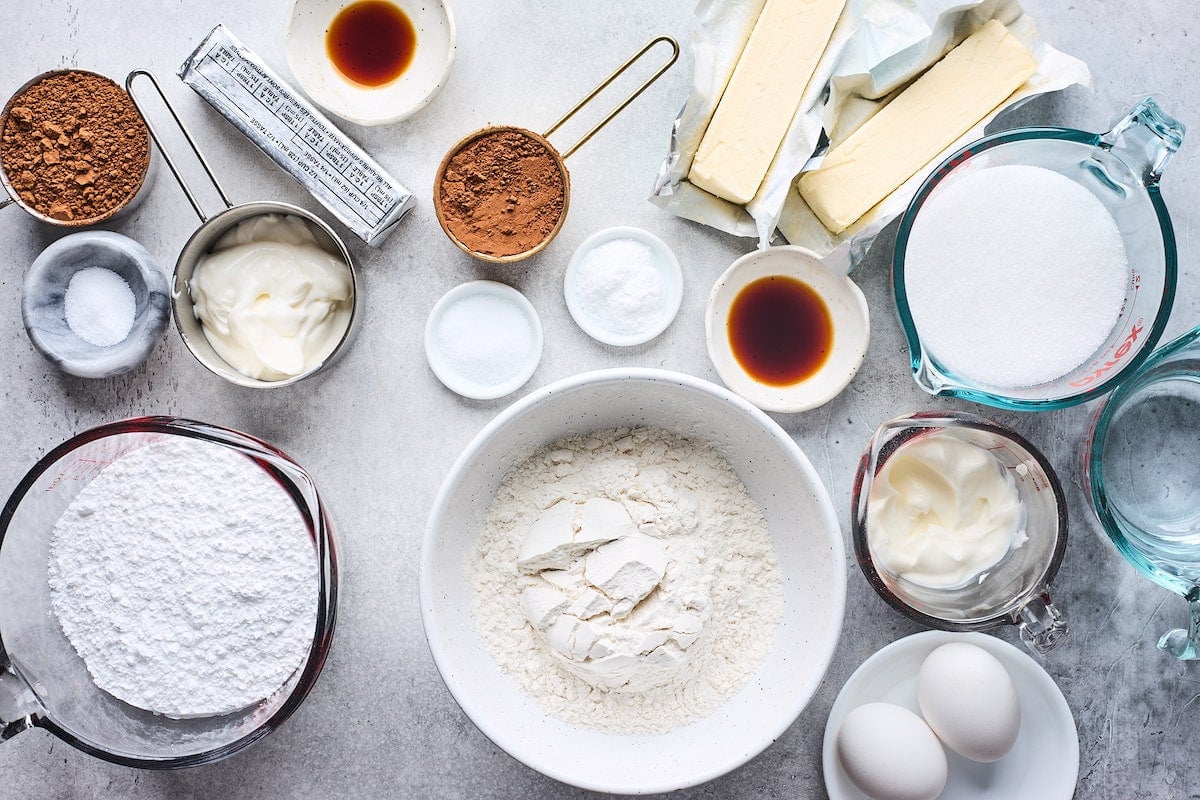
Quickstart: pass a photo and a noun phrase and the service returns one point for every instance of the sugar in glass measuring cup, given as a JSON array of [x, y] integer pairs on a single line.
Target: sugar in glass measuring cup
[[1014, 591], [1142, 464], [1122, 169], [44, 683]]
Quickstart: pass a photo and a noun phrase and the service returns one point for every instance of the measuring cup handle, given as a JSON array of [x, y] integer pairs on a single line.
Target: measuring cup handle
[[1145, 139], [1185, 644], [17, 703], [604, 84], [1042, 625], [162, 149]]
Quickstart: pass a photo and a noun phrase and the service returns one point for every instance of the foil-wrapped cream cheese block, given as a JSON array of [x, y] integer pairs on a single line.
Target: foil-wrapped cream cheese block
[[297, 137]]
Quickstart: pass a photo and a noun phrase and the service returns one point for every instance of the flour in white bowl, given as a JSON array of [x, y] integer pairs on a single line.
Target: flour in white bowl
[[647, 615], [186, 580]]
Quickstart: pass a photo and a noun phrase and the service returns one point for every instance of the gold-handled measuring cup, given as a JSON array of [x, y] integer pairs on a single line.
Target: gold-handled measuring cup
[[542, 141], [212, 228]]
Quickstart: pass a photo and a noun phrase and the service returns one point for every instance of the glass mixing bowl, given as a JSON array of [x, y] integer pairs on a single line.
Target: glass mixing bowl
[[44, 683], [1014, 591], [1143, 476], [1122, 169]]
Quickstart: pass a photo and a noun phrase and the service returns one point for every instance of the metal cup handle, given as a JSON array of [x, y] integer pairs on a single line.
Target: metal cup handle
[[605, 84], [167, 156]]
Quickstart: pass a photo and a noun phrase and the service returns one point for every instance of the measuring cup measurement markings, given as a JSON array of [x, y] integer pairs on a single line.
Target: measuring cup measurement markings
[[211, 229], [542, 140]]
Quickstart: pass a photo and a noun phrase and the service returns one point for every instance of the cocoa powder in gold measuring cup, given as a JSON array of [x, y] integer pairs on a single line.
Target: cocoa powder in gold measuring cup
[[502, 193]]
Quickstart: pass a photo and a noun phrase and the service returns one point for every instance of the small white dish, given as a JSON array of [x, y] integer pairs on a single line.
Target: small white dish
[[304, 42], [803, 526], [668, 267], [847, 308], [1044, 761], [440, 363]]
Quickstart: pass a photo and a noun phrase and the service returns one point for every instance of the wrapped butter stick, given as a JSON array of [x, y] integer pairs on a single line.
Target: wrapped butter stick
[[912, 53], [297, 137]]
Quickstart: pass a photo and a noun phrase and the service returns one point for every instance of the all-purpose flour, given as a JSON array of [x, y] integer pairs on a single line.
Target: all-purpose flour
[[721, 570], [186, 580]]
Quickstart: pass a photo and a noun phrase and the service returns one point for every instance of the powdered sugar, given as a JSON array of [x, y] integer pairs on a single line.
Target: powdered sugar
[[1015, 275], [720, 558], [186, 580]]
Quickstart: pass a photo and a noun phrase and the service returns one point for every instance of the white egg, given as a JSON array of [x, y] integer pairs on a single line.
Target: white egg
[[889, 753], [968, 699]]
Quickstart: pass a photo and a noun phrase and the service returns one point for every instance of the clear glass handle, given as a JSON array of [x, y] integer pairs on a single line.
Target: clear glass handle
[[17, 703], [1145, 139], [1042, 625], [1185, 645]]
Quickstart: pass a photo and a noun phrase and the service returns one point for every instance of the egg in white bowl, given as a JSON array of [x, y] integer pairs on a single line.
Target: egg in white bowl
[[371, 62]]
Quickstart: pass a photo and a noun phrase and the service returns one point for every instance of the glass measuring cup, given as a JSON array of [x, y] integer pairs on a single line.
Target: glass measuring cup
[[1014, 591], [44, 683], [1122, 169], [1142, 462]]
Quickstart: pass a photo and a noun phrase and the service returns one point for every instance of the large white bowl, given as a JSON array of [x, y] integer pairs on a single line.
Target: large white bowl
[[802, 524]]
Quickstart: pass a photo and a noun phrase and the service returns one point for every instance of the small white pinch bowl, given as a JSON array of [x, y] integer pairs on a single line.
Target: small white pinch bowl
[[440, 364], [847, 309], [304, 43], [668, 268], [1044, 761], [802, 524]]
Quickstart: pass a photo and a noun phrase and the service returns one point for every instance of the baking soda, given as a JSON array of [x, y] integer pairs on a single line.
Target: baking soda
[[620, 286], [1015, 276]]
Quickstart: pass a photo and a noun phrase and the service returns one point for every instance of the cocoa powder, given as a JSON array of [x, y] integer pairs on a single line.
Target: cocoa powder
[[74, 147], [503, 193]]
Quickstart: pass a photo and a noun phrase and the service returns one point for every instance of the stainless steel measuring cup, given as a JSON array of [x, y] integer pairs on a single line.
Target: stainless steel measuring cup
[[1014, 591], [45, 684], [211, 229], [543, 140]]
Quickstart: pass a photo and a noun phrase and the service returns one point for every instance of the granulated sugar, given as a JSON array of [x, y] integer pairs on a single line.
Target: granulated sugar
[[1015, 275]]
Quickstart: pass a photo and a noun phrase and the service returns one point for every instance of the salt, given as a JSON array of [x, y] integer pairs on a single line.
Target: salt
[[99, 306], [620, 286], [485, 338], [1015, 275]]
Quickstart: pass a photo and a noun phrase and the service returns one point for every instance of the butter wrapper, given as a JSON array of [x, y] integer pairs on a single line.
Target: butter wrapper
[[297, 137], [896, 41]]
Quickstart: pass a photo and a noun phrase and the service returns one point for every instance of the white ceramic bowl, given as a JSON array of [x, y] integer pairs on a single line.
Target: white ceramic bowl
[[847, 308], [668, 268], [463, 384], [1044, 761], [304, 42], [807, 540]]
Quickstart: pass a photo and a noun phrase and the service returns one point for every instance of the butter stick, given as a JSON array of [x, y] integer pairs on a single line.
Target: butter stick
[[763, 94], [918, 124]]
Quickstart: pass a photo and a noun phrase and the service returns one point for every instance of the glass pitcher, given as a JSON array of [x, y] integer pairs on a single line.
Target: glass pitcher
[[1122, 169], [44, 683], [1142, 462]]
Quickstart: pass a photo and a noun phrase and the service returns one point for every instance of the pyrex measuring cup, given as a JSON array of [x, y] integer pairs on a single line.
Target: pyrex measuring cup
[[212, 228], [543, 141], [1122, 169], [44, 683], [1014, 591], [1142, 462]]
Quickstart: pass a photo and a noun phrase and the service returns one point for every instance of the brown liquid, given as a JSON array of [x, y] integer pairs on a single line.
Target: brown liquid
[[780, 330], [371, 42]]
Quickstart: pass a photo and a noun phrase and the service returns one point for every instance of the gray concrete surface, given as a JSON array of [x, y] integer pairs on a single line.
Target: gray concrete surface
[[378, 432]]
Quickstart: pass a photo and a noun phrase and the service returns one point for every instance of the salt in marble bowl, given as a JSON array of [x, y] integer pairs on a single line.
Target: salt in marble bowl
[[44, 293]]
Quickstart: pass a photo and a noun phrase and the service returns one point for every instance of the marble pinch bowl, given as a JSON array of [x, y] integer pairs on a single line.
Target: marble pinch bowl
[[44, 293]]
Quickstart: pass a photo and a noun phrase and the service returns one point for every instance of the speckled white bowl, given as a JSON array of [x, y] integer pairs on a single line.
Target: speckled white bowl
[[803, 526], [304, 43]]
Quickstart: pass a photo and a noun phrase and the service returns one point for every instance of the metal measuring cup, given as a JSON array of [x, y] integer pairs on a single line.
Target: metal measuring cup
[[543, 141], [10, 196], [211, 229]]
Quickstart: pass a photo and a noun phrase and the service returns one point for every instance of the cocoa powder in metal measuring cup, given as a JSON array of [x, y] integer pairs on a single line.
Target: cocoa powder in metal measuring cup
[[502, 193], [73, 147]]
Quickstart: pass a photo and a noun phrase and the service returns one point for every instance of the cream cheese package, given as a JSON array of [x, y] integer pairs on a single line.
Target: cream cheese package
[[297, 137], [878, 48]]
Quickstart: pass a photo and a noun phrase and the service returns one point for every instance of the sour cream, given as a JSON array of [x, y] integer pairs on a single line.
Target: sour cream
[[272, 303], [942, 512]]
